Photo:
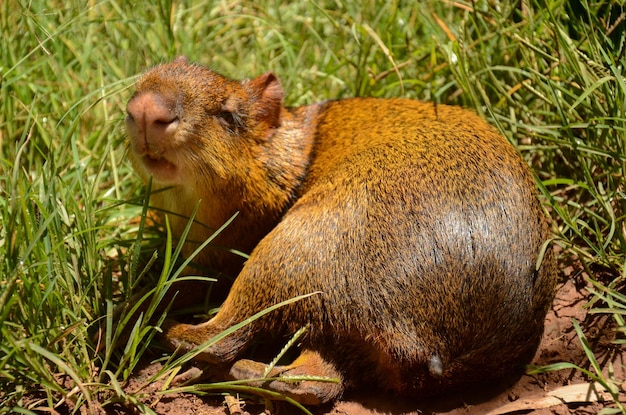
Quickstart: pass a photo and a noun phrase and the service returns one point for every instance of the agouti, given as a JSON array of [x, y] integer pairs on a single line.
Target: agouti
[[417, 225]]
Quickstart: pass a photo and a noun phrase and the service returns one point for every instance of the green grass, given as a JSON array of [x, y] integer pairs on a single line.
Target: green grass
[[548, 74]]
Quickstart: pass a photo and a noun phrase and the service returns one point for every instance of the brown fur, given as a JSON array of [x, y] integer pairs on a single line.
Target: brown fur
[[419, 225]]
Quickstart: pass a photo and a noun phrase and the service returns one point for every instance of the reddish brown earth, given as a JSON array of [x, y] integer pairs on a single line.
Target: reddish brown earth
[[529, 394], [526, 395]]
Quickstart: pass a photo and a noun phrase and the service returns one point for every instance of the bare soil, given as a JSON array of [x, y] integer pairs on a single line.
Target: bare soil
[[559, 392]]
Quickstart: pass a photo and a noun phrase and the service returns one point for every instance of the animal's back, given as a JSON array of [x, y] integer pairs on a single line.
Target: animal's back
[[421, 226]]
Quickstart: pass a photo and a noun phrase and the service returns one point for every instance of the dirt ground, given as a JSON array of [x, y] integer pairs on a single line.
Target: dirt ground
[[560, 392]]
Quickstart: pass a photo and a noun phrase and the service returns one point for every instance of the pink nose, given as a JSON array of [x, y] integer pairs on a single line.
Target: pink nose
[[151, 122]]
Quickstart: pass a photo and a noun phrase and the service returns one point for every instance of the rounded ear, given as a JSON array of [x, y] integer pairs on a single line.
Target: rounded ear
[[266, 96]]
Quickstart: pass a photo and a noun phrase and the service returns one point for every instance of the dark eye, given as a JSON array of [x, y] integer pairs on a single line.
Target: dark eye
[[231, 121], [227, 117]]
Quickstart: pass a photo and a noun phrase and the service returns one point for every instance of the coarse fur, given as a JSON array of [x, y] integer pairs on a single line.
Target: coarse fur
[[418, 224]]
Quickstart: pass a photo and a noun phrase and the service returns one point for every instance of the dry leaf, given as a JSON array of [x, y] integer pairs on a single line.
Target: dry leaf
[[579, 393]]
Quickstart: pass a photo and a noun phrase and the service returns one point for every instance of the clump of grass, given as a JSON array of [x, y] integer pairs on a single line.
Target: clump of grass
[[573, 108], [548, 76], [555, 87], [59, 180]]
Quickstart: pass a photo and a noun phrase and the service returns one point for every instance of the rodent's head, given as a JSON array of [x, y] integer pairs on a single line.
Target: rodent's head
[[189, 125]]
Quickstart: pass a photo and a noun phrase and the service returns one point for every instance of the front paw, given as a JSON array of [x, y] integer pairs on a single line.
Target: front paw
[[177, 336], [205, 341]]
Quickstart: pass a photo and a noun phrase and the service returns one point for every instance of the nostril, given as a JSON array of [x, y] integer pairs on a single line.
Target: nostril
[[164, 122]]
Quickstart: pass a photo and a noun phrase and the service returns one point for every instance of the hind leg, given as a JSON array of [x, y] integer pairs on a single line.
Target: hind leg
[[309, 392]]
